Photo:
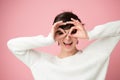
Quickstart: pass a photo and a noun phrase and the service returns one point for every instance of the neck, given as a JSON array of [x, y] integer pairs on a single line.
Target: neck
[[66, 53]]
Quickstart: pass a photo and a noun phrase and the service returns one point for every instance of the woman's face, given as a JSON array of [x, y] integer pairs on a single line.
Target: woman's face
[[65, 39]]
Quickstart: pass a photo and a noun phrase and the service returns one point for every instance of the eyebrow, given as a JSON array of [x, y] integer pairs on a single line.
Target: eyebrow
[[67, 26]]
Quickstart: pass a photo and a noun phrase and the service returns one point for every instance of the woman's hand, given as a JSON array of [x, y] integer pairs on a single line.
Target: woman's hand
[[59, 34], [78, 30], [56, 30]]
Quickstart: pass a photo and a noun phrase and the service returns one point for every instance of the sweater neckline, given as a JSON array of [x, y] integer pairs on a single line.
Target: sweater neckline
[[69, 57]]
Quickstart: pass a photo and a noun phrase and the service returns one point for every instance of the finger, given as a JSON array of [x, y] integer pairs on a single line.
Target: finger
[[59, 29], [73, 30], [70, 22], [58, 37], [57, 22], [74, 20], [56, 25], [60, 32], [60, 23]]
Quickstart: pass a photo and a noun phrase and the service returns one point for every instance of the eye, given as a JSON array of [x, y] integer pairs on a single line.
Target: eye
[[74, 31], [59, 32]]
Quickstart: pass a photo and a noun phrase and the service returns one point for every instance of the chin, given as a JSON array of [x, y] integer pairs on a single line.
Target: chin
[[68, 49]]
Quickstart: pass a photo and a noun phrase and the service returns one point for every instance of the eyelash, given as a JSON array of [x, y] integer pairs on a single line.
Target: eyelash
[[74, 31], [59, 32]]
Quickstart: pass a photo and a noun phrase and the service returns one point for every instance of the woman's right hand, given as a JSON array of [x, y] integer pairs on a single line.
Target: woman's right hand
[[56, 28]]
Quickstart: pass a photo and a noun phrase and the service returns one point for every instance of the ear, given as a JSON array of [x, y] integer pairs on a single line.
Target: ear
[[77, 42], [58, 43]]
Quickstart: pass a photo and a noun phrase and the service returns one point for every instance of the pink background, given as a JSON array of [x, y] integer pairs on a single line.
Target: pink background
[[34, 17]]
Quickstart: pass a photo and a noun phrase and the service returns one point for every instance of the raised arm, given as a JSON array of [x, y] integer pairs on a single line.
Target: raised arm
[[23, 47], [110, 29], [26, 43], [106, 37]]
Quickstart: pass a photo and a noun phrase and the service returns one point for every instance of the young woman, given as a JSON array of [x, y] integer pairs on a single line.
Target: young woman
[[71, 63]]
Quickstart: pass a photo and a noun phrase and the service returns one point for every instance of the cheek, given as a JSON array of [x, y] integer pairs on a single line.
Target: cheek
[[56, 37], [60, 41], [75, 41], [59, 37]]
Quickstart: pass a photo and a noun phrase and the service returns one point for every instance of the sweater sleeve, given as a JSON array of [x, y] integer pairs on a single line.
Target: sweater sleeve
[[106, 30], [23, 47], [106, 37]]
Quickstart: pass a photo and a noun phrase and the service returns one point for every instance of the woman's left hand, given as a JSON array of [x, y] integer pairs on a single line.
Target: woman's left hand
[[77, 30]]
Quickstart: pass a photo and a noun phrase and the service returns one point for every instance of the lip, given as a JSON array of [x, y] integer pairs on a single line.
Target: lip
[[68, 44]]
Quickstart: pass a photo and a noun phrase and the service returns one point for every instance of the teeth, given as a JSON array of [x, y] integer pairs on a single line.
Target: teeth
[[67, 43]]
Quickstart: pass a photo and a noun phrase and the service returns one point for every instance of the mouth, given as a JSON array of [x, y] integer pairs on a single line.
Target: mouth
[[68, 44]]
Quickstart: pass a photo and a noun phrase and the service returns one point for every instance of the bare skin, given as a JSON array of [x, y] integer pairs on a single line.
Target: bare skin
[[68, 39]]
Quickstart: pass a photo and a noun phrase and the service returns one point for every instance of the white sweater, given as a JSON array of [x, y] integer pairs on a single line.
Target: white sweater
[[91, 64]]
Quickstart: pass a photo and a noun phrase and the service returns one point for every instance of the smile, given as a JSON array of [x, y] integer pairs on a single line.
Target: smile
[[68, 43]]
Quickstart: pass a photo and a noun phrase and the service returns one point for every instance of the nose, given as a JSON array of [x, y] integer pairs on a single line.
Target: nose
[[67, 37]]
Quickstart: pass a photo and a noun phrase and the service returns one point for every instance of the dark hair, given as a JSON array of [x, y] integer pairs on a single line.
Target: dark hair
[[66, 16]]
